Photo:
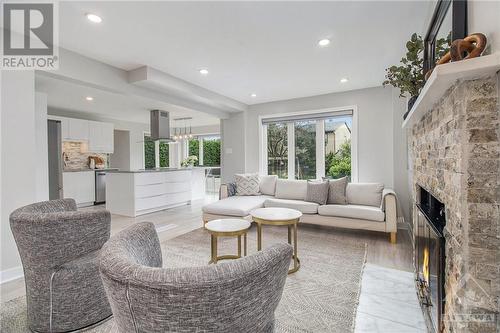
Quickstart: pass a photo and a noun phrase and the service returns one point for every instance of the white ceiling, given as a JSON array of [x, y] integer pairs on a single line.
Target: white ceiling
[[70, 96], [267, 48]]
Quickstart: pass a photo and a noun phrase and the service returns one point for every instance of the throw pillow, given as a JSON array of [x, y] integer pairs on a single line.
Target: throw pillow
[[247, 184], [268, 184], [336, 193], [317, 191], [368, 194]]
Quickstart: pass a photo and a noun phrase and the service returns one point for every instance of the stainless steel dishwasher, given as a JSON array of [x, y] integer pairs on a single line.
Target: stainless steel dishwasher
[[100, 187]]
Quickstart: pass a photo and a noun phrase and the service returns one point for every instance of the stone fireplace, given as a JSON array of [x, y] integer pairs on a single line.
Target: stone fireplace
[[454, 155]]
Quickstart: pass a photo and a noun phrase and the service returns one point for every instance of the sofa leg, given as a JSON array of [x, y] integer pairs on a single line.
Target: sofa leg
[[393, 237]]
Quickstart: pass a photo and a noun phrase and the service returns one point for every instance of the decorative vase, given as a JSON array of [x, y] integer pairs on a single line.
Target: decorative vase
[[411, 102]]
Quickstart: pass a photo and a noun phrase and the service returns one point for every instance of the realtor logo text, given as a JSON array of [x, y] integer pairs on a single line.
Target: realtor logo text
[[29, 36]]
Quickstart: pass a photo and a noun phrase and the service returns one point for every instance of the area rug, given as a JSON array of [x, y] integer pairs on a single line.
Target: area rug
[[321, 297]]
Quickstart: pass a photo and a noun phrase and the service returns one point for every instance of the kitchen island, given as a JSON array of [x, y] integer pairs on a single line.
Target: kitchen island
[[139, 192]]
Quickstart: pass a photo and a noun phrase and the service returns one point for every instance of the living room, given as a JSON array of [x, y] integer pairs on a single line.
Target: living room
[[152, 159]]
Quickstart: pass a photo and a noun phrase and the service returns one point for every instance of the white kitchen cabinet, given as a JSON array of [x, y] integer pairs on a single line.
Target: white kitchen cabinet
[[64, 128], [143, 192], [101, 137], [79, 185], [78, 130]]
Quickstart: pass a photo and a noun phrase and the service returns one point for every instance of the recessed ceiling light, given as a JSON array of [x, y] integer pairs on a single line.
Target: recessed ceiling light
[[344, 80], [324, 42], [253, 95], [89, 98], [204, 71], [93, 18]]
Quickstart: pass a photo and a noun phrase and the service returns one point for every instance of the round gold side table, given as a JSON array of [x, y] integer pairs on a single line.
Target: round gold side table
[[227, 228], [279, 216]]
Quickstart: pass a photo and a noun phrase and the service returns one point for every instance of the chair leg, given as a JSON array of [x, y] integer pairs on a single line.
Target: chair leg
[[393, 237]]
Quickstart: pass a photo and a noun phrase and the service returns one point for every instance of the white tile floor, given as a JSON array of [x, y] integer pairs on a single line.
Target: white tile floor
[[388, 302]]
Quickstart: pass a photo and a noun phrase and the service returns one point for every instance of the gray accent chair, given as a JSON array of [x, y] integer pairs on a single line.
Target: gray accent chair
[[236, 296], [59, 248]]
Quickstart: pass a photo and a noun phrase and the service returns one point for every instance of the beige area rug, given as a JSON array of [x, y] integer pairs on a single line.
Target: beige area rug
[[321, 297]]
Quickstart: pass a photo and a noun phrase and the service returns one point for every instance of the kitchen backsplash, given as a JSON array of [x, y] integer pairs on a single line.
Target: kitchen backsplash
[[77, 155]]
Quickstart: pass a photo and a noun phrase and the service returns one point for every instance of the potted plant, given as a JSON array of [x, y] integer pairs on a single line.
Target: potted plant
[[408, 76], [189, 161]]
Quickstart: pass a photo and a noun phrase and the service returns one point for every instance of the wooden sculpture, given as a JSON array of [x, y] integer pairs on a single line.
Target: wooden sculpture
[[472, 45]]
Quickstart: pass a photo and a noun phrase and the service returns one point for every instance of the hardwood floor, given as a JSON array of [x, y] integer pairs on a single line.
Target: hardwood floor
[[180, 220]]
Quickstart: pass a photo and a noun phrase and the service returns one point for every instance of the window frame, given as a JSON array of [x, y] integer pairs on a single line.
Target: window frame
[[320, 141]]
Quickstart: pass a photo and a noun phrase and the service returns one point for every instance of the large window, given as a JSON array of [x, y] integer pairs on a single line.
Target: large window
[[151, 154], [338, 147], [194, 150], [277, 150], [305, 149], [308, 146], [164, 158], [211, 151]]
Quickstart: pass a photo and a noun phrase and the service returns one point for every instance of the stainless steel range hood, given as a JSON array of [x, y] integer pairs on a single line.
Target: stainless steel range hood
[[160, 125]]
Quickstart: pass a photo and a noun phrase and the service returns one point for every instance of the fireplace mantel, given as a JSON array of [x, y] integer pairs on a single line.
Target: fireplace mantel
[[444, 76]]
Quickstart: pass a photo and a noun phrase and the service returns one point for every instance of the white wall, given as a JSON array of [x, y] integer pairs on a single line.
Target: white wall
[[484, 16], [400, 152], [233, 146], [42, 154], [18, 158], [121, 155], [375, 128]]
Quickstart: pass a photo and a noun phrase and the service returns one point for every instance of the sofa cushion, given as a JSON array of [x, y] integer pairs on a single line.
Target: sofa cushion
[[291, 189], [302, 206], [268, 184], [336, 192], [235, 206], [369, 194], [353, 211], [247, 184], [317, 191]]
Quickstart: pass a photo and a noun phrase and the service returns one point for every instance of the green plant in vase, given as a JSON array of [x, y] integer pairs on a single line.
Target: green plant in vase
[[409, 75], [189, 161]]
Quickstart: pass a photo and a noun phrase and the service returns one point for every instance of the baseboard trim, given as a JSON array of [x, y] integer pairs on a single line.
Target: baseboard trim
[[11, 274]]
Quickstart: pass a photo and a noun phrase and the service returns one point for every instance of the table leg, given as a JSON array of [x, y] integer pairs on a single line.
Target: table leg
[[259, 236], [239, 246], [211, 249], [215, 249], [245, 244], [295, 258], [289, 234]]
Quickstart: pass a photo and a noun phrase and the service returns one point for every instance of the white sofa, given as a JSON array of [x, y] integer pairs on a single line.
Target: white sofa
[[369, 206]]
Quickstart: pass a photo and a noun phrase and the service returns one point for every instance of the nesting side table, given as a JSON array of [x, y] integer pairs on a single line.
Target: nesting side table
[[227, 228]]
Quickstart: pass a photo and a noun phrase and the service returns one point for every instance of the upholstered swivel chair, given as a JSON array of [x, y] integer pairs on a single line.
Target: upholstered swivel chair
[[237, 296], [59, 248]]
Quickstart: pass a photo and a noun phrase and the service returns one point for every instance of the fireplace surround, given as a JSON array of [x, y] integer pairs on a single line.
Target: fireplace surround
[[454, 155]]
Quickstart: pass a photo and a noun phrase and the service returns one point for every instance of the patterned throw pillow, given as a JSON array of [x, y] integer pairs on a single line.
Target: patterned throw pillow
[[336, 194], [247, 184], [317, 191]]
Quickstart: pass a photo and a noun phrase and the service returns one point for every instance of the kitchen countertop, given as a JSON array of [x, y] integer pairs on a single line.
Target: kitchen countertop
[[150, 170], [88, 169]]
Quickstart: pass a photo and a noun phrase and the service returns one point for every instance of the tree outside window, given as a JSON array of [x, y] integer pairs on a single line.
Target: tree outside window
[[305, 149], [338, 147], [211, 151], [194, 150], [277, 150], [149, 153], [164, 155]]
